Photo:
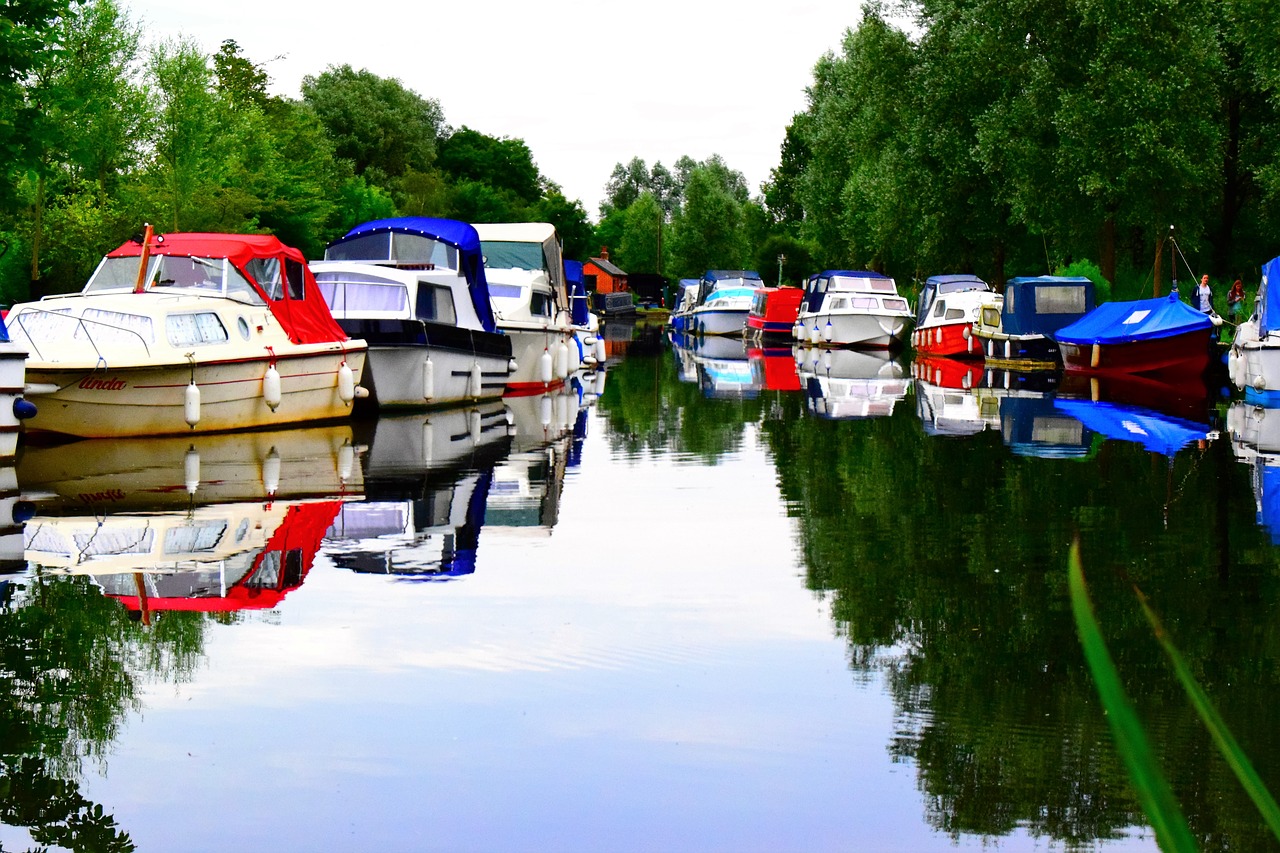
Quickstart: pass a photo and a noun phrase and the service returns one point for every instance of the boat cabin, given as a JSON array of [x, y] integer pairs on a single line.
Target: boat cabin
[[1041, 305], [938, 287], [837, 290]]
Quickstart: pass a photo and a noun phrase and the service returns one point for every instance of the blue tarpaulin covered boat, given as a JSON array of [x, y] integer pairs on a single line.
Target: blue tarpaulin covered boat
[[1162, 335], [1158, 433]]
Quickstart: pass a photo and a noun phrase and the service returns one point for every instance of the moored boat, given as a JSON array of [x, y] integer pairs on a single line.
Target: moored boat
[[842, 384], [773, 312], [1162, 336], [414, 289], [188, 333], [848, 308], [1020, 335], [685, 301], [14, 407], [949, 305], [724, 298], [1254, 361], [525, 271]]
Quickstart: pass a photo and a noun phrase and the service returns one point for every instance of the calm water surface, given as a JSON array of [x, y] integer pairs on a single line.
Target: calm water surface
[[734, 603]]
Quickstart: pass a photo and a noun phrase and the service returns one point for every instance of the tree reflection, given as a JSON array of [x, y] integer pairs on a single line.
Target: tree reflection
[[71, 663], [944, 562]]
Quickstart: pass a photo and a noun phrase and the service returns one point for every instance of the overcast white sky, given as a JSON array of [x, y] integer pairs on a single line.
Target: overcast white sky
[[585, 85]]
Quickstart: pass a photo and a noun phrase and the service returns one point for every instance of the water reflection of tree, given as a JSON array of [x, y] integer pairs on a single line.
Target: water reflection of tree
[[71, 664], [944, 562], [649, 408]]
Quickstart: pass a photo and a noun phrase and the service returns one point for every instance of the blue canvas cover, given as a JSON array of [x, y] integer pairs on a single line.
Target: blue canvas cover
[[1043, 304], [1269, 502], [579, 309], [460, 235], [1138, 320], [938, 284], [1268, 308], [1158, 433], [1033, 426], [714, 276]]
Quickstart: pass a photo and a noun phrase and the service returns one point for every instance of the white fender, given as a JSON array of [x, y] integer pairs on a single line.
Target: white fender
[[346, 461], [475, 382], [828, 332], [562, 361], [346, 383], [601, 355], [544, 367], [191, 405], [428, 379], [271, 388], [475, 426], [271, 472], [816, 334], [544, 410], [428, 442], [575, 359], [599, 386], [191, 470]]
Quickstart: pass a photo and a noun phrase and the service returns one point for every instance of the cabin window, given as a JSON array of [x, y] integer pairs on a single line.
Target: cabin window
[[115, 541], [193, 329], [118, 274], [239, 288], [435, 303], [540, 304], [838, 304], [940, 309], [1060, 300], [366, 247], [1050, 430], [44, 325], [500, 255], [881, 285], [354, 292], [901, 305], [954, 313], [296, 274], [114, 326], [864, 303], [1011, 298], [193, 538], [991, 316], [267, 273], [589, 281]]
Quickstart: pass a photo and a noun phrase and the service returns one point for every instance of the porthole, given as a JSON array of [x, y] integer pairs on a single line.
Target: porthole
[[243, 326]]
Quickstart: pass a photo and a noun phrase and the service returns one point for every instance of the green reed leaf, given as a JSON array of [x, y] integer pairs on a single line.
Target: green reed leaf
[[1154, 794], [1226, 742]]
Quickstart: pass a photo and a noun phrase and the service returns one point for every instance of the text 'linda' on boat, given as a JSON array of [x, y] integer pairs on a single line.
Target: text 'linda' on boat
[[185, 333], [1163, 336], [414, 289], [852, 308], [524, 268], [1034, 308], [949, 306]]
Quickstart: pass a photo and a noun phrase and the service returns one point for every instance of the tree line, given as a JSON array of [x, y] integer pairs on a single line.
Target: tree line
[[99, 134]]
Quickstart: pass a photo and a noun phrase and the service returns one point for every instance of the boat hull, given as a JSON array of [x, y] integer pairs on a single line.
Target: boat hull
[[948, 339], [527, 347], [417, 377], [144, 399], [721, 321], [1020, 352], [1185, 354], [873, 331], [13, 368]]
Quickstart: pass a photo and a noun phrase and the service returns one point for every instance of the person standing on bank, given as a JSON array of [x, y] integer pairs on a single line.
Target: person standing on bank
[[1235, 299], [1205, 295]]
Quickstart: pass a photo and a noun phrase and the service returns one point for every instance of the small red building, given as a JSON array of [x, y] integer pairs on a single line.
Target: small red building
[[601, 276]]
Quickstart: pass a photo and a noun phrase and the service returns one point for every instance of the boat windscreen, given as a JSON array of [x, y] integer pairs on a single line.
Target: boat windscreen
[[359, 292], [502, 255]]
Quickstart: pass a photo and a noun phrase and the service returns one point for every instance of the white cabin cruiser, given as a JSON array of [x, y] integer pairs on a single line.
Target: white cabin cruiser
[[724, 300], [846, 308], [184, 333], [525, 272], [414, 289]]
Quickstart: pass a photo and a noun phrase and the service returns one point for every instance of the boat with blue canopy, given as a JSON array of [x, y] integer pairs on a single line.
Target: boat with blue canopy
[[415, 290], [1254, 361], [949, 306], [724, 300], [852, 308], [1020, 333], [686, 300], [1162, 336], [586, 325]]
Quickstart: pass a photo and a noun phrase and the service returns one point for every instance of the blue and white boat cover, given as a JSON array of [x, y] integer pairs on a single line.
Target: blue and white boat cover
[[1156, 432], [1138, 320], [451, 232], [813, 297], [1268, 494], [1043, 304], [579, 309], [1268, 308]]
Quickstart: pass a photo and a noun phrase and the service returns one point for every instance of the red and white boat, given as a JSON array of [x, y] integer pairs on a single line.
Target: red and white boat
[[1161, 337], [184, 333], [773, 312], [949, 306]]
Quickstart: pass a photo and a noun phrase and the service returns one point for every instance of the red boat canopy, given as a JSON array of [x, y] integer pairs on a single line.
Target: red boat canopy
[[296, 303]]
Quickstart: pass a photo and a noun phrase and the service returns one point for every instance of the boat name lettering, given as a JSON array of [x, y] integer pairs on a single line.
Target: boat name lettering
[[113, 384], [101, 497]]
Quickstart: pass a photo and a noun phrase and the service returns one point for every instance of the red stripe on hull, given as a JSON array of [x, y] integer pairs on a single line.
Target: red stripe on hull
[[1180, 355], [953, 342], [528, 389]]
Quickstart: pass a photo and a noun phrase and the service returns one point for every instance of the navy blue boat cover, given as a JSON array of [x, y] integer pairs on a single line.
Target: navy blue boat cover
[[1269, 502], [714, 276], [1043, 304], [1158, 433], [1139, 320], [460, 235], [1268, 308], [578, 307]]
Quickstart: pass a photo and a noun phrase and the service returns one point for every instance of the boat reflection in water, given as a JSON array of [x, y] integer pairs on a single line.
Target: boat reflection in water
[[14, 511], [524, 496], [774, 368], [1255, 440], [845, 383], [426, 481], [207, 523], [720, 363], [946, 399]]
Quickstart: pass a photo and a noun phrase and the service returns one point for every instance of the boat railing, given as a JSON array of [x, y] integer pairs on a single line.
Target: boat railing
[[81, 323]]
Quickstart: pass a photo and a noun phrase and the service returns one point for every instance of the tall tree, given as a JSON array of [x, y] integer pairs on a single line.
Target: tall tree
[[639, 248], [708, 231]]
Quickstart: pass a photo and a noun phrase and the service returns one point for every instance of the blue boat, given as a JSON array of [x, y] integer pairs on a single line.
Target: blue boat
[[1155, 431], [1160, 337], [1035, 309]]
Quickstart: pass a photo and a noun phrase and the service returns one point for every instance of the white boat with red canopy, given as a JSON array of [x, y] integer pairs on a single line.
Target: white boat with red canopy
[[188, 332]]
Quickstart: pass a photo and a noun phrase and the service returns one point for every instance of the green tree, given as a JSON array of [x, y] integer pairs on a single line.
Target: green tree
[[504, 164], [707, 233], [643, 223], [569, 218]]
